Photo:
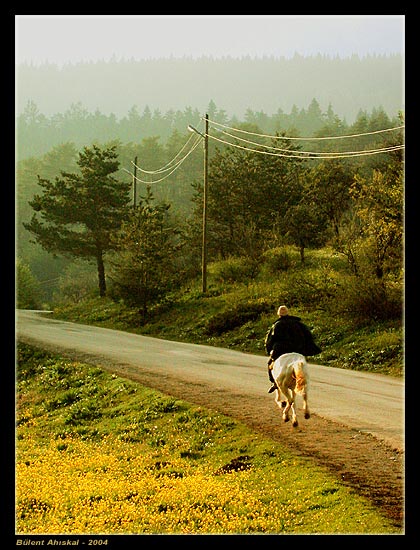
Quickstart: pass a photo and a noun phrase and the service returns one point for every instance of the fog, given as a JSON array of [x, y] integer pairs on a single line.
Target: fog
[[74, 38], [235, 85]]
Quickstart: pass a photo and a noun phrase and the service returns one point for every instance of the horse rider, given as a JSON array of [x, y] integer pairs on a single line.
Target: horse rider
[[287, 335]]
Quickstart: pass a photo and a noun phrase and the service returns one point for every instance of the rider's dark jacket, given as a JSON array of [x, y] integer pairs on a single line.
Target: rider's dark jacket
[[287, 335]]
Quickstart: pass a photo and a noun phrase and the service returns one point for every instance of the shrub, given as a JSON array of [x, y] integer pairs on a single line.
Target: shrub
[[277, 259], [28, 287], [367, 299], [78, 281], [82, 411], [236, 316], [29, 361], [310, 288], [234, 270], [65, 399]]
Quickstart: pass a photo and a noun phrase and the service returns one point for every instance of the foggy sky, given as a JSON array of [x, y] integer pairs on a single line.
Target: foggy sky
[[64, 39]]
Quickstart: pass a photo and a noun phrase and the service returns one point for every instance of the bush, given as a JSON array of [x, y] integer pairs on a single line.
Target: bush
[[236, 316], [29, 361], [82, 411], [277, 259], [313, 288], [28, 287], [234, 270], [367, 299], [64, 399], [78, 281]]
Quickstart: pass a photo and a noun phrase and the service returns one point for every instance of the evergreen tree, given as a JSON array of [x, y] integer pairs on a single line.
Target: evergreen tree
[[80, 212], [314, 119], [145, 267], [28, 290], [328, 189], [248, 197]]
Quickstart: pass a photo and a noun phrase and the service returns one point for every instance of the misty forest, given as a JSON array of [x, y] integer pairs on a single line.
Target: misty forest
[[113, 207]]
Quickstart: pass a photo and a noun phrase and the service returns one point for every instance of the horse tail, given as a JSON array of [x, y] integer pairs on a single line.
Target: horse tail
[[300, 376]]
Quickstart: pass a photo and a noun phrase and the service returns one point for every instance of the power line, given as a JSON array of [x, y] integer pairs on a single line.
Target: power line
[[178, 163], [172, 166], [168, 164], [173, 169], [317, 154], [306, 138], [321, 156]]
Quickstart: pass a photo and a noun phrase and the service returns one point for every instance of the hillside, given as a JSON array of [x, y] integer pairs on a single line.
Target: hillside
[[238, 309]]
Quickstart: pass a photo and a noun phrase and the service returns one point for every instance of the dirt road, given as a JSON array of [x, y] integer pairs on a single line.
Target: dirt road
[[357, 425]]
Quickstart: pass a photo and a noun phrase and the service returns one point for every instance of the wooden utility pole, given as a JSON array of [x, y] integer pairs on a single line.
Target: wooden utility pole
[[204, 246], [135, 183]]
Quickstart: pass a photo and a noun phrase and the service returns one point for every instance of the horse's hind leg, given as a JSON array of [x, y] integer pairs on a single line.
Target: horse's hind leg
[[293, 410], [281, 404], [286, 412], [295, 422], [305, 404], [286, 407]]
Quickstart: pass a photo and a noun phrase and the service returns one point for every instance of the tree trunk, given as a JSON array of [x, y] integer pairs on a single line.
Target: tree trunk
[[101, 273], [302, 253]]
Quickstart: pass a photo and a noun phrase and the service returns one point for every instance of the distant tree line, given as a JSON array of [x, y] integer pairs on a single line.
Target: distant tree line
[[237, 84], [38, 133]]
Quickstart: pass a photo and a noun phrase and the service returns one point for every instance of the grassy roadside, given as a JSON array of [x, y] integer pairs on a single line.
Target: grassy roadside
[[237, 315], [100, 454]]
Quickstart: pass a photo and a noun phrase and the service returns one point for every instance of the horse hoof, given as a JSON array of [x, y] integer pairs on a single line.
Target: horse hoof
[[295, 424], [307, 415], [283, 404], [286, 419]]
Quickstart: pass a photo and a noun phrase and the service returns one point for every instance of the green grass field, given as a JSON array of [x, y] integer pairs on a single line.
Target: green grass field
[[99, 454]]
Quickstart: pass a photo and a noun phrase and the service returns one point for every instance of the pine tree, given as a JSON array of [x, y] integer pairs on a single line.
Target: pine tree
[[145, 267], [78, 213]]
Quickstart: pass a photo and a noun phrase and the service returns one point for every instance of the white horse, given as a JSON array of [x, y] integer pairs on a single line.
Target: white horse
[[290, 372]]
